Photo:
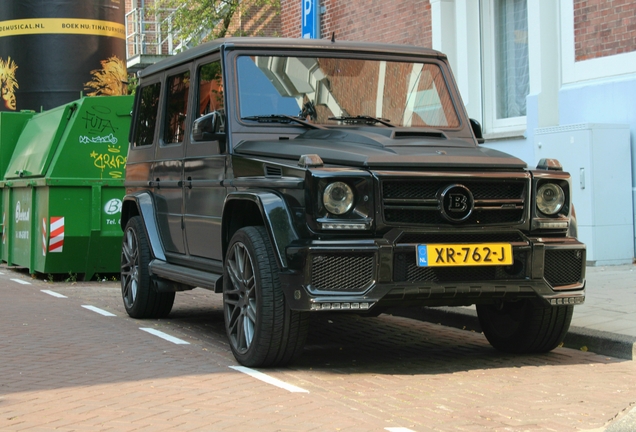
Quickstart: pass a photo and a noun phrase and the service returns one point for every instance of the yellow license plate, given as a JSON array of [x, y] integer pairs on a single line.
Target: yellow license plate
[[449, 255]]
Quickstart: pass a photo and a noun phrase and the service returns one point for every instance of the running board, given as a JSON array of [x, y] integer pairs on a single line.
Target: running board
[[186, 275]]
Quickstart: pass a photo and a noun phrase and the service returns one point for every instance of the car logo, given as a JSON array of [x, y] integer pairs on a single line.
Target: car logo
[[456, 203]]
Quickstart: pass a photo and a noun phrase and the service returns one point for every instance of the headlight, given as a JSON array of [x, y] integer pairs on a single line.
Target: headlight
[[550, 198], [338, 198]]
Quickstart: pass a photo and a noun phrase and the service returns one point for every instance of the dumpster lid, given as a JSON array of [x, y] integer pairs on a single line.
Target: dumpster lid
[[38, 142]]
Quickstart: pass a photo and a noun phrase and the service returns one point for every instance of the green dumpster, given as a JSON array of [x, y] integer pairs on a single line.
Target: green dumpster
[[62, 189], [11, 126]]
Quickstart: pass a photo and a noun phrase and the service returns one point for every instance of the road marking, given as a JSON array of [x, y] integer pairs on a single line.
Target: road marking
[[165, 336], [20, 281], [53, 293], [398, 429], [1, 273], [98, 310], [268, 379]]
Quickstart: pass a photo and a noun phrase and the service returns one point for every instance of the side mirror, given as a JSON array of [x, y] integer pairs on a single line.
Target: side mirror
[[474, 124], [210, 127]]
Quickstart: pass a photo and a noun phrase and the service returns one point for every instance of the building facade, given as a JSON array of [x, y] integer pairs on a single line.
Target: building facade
[[544, 78]]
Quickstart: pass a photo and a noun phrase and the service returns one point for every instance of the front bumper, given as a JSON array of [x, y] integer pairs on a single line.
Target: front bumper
[[361, 275]]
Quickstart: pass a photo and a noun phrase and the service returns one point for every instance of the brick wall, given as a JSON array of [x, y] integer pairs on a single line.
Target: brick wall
[[604, 27], [396, 21], [256, 20]]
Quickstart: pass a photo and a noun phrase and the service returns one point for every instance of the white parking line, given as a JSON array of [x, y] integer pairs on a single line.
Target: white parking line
[[398, 429], [268, 379], [165, 336], [20, 281], [53, 293], [98, 310]]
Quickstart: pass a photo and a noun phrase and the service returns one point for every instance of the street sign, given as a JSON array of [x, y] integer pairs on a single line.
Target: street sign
[[310, 24]]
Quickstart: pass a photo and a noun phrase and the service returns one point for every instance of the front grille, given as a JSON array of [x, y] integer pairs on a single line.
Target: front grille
[[405, 269], [417, 202], [563, 266], [342, 273]]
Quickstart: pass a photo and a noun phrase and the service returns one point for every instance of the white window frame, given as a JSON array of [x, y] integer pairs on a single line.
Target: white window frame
[[493, 126]]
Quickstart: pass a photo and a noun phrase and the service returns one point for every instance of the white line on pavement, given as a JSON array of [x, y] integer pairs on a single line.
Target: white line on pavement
[[398, 429], [53, 293], [165, 336], [20, 281], [98, 310], [268, 379]]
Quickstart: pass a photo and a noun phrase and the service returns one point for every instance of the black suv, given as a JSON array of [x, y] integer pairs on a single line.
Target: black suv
[[301, 176]]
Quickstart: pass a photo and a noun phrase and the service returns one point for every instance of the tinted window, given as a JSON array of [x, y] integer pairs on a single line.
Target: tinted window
[[176, 107], [210, 88], [146, 114]]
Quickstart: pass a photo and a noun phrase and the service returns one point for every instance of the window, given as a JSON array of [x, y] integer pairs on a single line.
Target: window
[[332, 89], [176, 107], [148, 103], [506, 64], [210, 89]]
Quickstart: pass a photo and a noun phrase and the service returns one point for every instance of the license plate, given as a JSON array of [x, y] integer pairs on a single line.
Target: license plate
[[450, 255]]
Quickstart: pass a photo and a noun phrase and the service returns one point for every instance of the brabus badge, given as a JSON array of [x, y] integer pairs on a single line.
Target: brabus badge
[[456, 203]]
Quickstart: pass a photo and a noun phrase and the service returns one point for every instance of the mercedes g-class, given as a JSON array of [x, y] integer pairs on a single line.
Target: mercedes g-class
[[298, 176]]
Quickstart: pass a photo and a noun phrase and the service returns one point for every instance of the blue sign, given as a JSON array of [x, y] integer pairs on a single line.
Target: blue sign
[[422, 256], [309, 22]]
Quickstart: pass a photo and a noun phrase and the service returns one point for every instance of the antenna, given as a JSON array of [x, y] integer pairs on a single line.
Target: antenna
[[333, 37]]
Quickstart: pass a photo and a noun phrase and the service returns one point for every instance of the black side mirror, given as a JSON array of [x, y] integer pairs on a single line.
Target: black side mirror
[[474, 124], [210, 127]]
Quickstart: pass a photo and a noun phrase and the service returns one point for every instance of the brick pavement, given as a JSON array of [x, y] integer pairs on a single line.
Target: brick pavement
[[66, 368]]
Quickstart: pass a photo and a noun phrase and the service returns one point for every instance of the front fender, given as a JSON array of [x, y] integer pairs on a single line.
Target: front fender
[[142, 204], [274, 214]]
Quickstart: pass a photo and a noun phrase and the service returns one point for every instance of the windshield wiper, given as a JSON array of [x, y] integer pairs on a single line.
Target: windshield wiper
[[363, 119], [281, 118]]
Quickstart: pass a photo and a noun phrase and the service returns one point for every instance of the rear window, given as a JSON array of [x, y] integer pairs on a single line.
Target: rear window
[[148, 104]]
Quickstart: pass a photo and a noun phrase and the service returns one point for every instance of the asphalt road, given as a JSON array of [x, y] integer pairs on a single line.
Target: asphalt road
[[79, 363]]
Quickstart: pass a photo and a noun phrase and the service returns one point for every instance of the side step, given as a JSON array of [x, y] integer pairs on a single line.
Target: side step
[[186, 275]]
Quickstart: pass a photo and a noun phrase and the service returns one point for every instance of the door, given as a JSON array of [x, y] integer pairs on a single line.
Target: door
[[204, 167], [167, 172]]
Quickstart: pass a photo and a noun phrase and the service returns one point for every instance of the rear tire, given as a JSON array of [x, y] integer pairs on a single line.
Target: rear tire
[[140, 299], [262, 330], [524, 327]]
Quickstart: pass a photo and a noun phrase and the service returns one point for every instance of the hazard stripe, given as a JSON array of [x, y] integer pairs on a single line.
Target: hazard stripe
[[56, 242]]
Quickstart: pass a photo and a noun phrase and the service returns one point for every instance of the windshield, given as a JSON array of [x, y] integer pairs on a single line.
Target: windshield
[[345, 91]]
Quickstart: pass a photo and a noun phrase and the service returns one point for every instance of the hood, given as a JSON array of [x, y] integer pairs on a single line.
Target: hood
[[386, 148]]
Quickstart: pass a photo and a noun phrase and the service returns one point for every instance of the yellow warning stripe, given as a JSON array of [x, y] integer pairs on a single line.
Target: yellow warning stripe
[[81, 26]]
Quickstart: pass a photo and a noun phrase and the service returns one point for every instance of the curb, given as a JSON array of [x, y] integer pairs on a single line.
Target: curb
[[579, 338]]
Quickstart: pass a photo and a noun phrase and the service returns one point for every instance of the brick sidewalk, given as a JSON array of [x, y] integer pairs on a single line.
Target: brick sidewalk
[[66, 368]]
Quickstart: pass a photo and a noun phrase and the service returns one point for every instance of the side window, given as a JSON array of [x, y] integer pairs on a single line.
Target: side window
[[148, 103], [178, 87], [210, 88]]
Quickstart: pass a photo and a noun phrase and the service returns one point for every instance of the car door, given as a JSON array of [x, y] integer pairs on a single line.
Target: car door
[[167, 171], [204, 165]]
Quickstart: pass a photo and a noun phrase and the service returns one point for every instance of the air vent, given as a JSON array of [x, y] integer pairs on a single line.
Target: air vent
[[418, 134], [271, 171]]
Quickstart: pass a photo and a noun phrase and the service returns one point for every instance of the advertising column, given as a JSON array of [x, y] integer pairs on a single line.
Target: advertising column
[[53, 51]]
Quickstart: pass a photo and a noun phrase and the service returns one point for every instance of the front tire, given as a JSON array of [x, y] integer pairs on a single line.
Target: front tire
[[524, 327], [140, 299], [262, 330]]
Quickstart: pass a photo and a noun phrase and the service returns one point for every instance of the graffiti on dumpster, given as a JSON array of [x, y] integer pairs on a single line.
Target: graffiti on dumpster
[[110, 161], [96, 123], [109, 139]]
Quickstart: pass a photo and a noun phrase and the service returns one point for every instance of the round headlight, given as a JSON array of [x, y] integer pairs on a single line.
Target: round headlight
[[550, 198], [338, 198]]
